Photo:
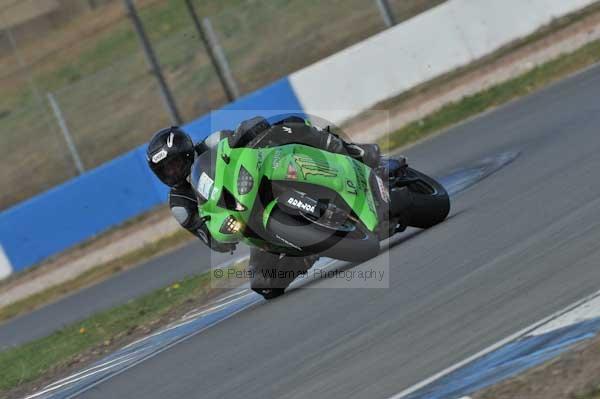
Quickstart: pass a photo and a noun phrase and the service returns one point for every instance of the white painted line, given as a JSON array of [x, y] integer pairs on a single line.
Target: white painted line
[[524, 332], [184, 321], [586, 311], [71, 380], [5, 265], [192, 314]]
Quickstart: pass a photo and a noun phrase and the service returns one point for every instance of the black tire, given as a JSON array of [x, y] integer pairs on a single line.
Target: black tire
[[429, 201], [357, 245]]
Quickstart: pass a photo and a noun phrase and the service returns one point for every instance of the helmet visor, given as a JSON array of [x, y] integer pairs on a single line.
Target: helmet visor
[[172, 170]]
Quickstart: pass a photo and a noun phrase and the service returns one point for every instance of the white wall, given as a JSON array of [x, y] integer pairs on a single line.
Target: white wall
[[5, 266], [429, 45]]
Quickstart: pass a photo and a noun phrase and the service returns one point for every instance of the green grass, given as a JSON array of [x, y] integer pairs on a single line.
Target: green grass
[[475, 104], [30, 361], [594, 394]]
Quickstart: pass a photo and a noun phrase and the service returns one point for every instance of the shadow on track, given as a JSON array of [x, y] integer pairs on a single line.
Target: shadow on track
[[463, 178]]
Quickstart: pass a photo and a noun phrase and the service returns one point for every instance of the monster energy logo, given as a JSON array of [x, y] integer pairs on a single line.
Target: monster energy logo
[[309, 166]]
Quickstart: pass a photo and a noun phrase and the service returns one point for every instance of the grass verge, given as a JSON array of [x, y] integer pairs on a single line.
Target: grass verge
[[469, 106], [595, 394], [95, 275], [572, 375], [104, 331]]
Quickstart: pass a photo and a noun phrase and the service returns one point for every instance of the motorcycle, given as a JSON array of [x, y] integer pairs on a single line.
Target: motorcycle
[[302, 201]]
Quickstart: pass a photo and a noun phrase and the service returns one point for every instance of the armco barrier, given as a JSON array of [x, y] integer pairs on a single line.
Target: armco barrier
[[431, 44], [114, 192]]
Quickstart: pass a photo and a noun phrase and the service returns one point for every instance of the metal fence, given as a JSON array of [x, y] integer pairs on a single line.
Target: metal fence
[[89, 77]]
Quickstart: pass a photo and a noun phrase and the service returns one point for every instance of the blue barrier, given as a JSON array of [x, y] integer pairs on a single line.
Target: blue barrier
[[278, 98], [116, 191]]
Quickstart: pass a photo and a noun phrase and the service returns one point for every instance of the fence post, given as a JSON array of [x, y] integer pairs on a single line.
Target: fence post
[[386, 13], [153, 62], [217, 58], [220, 57], [23, 66], [66, 133]]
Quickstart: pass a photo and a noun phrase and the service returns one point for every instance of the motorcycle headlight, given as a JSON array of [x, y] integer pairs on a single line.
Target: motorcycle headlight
[[230, 226], [244, 182]]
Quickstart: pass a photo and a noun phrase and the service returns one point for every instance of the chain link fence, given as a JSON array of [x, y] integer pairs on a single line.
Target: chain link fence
[[92, 65]]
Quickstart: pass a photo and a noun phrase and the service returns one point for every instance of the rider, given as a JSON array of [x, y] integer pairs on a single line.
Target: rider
[[171, 153]]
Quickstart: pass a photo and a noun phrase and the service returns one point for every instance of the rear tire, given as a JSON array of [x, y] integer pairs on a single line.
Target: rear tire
[[357, 245]]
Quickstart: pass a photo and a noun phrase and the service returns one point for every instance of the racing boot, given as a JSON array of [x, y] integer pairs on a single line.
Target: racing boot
[[368, 154]]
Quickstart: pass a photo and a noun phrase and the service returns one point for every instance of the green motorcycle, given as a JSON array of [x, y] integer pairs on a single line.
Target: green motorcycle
[[298, 200]]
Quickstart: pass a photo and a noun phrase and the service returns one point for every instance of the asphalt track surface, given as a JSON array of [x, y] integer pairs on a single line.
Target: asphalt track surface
[[520, 245], [159, 272]]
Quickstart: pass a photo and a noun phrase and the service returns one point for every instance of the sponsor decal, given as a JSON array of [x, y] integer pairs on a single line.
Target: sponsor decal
[[309, 166], [288, 243], [383, 189], [360, 176], [276, 158], [170, 140], [301, 205], [205, 185], [259, 160], [291, 172], [288, 130], [351, 187], [159, 156], [362, 184]]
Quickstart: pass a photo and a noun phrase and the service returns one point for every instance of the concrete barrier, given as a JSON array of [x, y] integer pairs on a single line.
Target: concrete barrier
[[436, 42]]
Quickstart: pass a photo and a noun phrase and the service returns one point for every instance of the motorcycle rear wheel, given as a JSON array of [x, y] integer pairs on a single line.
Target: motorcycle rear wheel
[[428, 201]]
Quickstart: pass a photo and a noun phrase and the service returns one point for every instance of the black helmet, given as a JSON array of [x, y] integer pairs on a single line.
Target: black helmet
[[170, 155]]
